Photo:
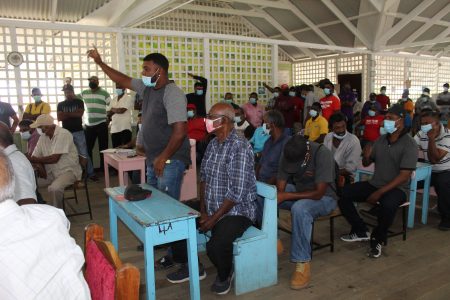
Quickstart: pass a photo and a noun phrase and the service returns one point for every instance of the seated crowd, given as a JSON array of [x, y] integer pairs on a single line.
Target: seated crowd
[[308, 147]]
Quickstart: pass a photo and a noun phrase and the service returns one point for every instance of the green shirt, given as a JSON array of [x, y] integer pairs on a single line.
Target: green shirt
[[96, 104]]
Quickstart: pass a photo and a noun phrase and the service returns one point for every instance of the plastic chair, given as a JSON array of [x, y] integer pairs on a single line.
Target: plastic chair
[[79, 185], [108, 278]]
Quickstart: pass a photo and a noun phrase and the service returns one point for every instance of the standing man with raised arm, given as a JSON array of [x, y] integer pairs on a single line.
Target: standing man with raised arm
[[198, 97], [165, 121]]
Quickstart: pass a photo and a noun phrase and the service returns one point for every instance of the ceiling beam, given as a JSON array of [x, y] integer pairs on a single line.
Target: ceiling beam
[[399, 26], [437, 40], [378, 4], [294, 9], [284, 32], [440, 38], [261, 3], [384, 21], [225, 11], [335, 10], [108, 14], [418, 18], [139, 12], [327, 24], [54, 10], [428, 25], [442, 52]]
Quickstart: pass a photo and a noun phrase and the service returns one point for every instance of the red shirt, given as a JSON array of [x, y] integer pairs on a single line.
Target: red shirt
[[372, 127], [329, 104], [383, 100], [196, 129], [285, 105], [298, 108]]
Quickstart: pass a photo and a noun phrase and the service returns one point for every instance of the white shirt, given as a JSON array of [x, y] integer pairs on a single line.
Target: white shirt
[[121, 122], [348, 154], [442, 143], [60, 143], [240, 129], [25, 182], [38, 257]]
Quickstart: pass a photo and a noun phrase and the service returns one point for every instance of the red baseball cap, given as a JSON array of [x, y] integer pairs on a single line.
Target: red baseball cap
[[284, 86], [191, 106]]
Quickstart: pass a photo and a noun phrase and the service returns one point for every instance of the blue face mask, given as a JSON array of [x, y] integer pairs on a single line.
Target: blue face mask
[[237, 119], [327, 91], [426, 128], [291, 93], [313, 113], [276, 94], [371, 113], [190, 113], [252, 100], [382, 131], [119, 92], [148, 80], [199, 92], [389, 126], [229, 101]]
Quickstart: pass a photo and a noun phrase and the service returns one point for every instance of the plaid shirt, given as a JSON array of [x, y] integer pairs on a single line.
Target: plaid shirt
[[228, 172]]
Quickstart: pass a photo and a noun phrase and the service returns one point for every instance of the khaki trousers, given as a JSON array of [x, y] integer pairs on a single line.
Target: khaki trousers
[[56, 186]]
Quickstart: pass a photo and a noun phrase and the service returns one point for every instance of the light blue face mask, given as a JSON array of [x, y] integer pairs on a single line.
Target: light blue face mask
[[190, 113], [252, 100], [265, 129], [292, 93], [229, 101], [119, 92], [327, 91], [148, 80], [313, 113], [371, 113], [276, 94], [426, 128], [382, 131], [389, 125], [237, 119], [199, 92]]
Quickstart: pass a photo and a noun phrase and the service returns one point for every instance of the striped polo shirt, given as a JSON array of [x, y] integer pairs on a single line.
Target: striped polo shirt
[[95, 104], [442, 142]]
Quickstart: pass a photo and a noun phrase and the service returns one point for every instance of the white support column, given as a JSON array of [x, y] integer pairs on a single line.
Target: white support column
[[120, 52], [371, 64], [274, 65], [17, 77], [207, 68]]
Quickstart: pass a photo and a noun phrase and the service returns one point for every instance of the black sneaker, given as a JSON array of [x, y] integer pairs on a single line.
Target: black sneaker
[[94, 178], [222, 287], [354, 237], [164, 263], [182, 274], [444, 225], [375, 249]]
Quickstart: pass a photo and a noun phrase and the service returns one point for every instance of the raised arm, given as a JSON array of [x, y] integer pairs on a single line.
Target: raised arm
[[114, 75]]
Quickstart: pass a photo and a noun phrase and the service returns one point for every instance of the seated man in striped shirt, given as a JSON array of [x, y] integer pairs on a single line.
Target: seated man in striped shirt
[[433, 140], [96, 100], [227, 198]]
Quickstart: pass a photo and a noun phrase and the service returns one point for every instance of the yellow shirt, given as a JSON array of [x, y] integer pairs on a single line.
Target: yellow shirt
[[314, 128], [38, 109]]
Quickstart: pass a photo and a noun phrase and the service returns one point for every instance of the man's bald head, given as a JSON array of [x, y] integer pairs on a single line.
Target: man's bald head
[[6, 178], [223, 109], [6, 137]]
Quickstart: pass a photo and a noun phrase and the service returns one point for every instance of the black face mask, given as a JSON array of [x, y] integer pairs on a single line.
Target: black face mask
[[93, 85]]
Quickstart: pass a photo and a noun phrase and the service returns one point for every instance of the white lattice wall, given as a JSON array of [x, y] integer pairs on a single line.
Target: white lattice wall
[[49, 57], [390, 72]]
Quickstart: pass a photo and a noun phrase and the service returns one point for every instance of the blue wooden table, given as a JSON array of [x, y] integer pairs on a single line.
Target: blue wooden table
[[422, 172], [155, 221]]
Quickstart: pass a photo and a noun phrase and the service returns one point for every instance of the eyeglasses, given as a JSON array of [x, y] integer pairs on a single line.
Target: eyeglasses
[[214, 116]]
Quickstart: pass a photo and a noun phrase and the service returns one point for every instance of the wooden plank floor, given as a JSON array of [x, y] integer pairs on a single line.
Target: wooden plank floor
[[418, 268]]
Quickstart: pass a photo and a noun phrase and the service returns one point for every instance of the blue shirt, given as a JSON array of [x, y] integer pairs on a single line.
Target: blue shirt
[[228, 173], [258, 139], [270, 157]]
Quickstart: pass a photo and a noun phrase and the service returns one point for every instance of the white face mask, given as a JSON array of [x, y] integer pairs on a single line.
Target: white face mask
[[39, 131], [446, 89], [140, 126], [265, 129], [25, 135]]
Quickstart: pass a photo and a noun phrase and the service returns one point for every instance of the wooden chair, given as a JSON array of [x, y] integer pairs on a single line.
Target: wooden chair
[[79, 185], [255, 252], [108, 278]]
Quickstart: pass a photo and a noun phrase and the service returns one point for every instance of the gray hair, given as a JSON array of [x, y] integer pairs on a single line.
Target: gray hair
[[275, 117], [6, 178]]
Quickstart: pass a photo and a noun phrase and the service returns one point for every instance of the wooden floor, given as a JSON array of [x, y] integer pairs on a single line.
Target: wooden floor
[[418, 268]]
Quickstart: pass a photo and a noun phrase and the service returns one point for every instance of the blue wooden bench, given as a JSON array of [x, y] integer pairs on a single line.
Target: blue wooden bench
[[255, 253]]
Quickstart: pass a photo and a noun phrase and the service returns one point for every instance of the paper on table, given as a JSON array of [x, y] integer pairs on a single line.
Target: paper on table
[[122, 151]]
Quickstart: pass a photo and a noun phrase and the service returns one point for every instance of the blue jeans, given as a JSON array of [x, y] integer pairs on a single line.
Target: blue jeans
[[303, 213], [170, 182], [79, 140]]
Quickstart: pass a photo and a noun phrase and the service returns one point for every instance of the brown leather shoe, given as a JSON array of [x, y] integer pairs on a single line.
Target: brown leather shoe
[[280, 247], [301, 276]]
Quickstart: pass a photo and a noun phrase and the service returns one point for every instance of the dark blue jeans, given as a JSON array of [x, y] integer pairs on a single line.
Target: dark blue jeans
[[170, 182]]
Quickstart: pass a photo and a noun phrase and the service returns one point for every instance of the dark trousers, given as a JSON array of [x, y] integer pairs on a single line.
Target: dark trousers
[[99, 131], [350, 125], [359, 192], [441, 183], [120, 138], [220, 246]]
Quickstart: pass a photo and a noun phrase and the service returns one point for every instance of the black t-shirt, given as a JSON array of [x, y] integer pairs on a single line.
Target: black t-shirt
[[199, 102], [71, 124]]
